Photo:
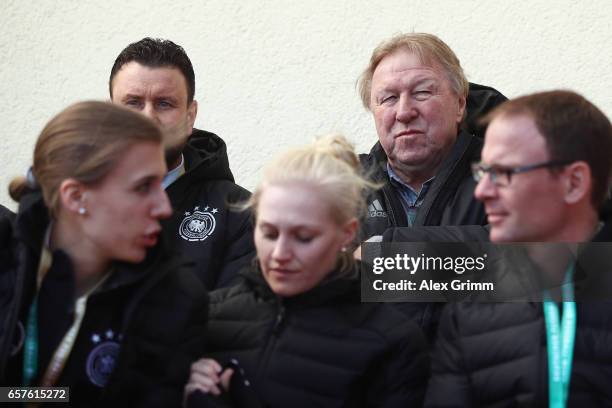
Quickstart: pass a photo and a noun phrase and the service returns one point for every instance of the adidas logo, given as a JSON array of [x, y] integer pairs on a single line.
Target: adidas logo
[[376, 210]]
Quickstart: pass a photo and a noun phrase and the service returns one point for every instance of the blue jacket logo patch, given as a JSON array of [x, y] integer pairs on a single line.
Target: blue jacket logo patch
[[102, 359]]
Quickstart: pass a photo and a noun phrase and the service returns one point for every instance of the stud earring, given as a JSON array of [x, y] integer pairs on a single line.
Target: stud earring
[[82, 211], [343, 249]]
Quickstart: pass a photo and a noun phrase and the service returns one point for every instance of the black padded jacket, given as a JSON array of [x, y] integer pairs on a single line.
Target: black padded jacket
[[322, 348], [204, 226], [494, 354]]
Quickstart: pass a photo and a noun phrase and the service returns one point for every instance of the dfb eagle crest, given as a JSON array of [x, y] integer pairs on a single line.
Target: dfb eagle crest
[[199, 224]]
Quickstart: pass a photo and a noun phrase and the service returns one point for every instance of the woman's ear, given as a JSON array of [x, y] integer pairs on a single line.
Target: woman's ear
[[349, 231], [71, 195], [577, 182]]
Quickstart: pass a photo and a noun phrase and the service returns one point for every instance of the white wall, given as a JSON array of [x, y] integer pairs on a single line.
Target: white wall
[[272, 73]]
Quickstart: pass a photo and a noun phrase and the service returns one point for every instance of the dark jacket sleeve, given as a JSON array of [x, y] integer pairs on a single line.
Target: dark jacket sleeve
[[189, 347], [400, 378], [167, 335], [7, 291], [6, 213], [449, 384], [239, 249]]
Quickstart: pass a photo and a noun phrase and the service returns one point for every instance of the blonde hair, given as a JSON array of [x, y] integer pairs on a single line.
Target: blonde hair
[[84, 142], [329, 165], [429, 48]]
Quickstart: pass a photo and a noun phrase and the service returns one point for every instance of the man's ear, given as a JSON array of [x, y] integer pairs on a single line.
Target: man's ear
[[577, 182], [192, 113], [461, 103], [71, 195]]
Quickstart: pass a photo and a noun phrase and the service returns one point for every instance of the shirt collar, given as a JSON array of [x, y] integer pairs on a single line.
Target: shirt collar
[[394, 177], [174, 174]]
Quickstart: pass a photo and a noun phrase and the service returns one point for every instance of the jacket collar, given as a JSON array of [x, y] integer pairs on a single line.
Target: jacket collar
[[330, 290]]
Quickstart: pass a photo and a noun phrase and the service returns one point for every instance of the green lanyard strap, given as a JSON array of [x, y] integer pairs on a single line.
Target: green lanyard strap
[[560, 343], [61, 354], [30, 352]]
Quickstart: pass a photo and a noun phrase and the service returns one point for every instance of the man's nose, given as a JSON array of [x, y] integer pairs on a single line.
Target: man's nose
[[485, 188], [150, 112], [406, 110]]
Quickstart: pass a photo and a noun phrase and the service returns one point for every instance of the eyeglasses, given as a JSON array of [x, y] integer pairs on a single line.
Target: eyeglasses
[[501, 176]]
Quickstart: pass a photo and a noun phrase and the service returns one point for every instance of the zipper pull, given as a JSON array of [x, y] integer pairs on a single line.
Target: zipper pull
[[280, 317]]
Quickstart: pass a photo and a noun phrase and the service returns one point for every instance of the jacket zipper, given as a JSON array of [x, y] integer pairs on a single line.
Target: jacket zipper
[[272, 338], [390, 212], [280, 317]]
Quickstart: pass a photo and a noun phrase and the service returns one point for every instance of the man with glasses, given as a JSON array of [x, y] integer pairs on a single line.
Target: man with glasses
[[545, 172]]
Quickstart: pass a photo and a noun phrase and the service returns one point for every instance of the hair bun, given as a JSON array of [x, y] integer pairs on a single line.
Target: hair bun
[[338, 146], [18, 187]]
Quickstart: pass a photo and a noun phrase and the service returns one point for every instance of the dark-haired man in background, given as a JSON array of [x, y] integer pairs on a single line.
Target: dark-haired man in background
[[155, 77]]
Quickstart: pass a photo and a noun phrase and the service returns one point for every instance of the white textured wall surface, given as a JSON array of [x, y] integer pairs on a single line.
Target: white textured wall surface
[[271, 73]]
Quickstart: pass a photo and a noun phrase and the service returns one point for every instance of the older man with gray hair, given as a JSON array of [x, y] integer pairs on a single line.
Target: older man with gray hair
[[416, 89]]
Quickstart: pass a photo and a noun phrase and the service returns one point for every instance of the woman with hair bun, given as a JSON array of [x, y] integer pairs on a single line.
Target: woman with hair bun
[[294, 333], [91, 299]]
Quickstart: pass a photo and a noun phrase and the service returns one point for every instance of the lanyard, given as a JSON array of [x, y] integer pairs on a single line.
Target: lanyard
[[30, 353], [560, 342], [61, 354]]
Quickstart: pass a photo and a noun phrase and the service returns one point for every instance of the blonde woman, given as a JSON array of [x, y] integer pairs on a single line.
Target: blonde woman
[[294, 332]]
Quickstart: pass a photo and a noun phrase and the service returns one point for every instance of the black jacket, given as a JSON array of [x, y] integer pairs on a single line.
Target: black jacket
[[449, 200], [322, 348], [494, 354], [204, 226], [141, 330]]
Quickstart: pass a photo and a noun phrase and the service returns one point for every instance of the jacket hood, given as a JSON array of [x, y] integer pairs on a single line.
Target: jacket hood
[[32, 220], [206, 157], [481, 99]]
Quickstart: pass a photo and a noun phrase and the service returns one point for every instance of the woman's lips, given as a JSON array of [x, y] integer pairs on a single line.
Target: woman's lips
[[150, 240], [282, 272]]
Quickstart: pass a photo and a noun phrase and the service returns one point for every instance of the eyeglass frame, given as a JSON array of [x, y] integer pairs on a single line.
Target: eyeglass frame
[[479, 170]]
